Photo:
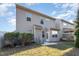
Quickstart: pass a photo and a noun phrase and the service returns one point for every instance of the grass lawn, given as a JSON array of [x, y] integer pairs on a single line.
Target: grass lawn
[[40, 50]]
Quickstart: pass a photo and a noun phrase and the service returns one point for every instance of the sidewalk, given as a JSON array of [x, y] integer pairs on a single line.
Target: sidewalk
[[50, 43]]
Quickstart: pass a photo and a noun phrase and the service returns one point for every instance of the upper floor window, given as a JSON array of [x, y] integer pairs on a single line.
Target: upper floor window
[[28, 17], [42, 22]]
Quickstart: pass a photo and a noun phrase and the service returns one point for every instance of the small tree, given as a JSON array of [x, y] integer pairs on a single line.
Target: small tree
[[77, 30], [24, 38]]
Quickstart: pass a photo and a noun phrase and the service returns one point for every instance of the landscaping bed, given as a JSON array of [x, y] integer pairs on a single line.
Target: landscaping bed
[[40, 50]]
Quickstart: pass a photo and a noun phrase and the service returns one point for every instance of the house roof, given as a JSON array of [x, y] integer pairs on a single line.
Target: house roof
[[39, 13], [67, 22], [32, 11]]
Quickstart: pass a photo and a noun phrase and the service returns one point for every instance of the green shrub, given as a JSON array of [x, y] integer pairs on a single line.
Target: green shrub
[[77, 29], [8, 38], [26, 38], [16, 38], [77, 38]]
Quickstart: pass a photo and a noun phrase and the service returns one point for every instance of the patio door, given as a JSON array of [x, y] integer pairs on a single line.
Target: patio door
[[54, 36]]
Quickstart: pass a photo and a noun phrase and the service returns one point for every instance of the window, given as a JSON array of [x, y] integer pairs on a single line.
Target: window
[[43, 34], [28, 17], [54, 34], [42, 22]]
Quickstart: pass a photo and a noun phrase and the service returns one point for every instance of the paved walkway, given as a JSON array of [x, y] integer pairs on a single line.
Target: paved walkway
[[48, 43]]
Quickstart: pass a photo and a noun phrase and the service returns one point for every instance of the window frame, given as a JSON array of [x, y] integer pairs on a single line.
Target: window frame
[[41, 22], [29, 17]]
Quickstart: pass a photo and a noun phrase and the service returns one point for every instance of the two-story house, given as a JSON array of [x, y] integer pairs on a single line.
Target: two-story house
[[44, 27]]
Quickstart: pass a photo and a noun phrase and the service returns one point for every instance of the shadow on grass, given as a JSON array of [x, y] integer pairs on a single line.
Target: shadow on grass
[[66, 45], [62, 45], [11, 51]]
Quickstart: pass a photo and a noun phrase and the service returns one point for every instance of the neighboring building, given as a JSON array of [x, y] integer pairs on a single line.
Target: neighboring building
[[1, 38], [44, 28], [67, 30]]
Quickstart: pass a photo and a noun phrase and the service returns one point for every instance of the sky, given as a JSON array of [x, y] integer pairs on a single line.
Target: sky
[[66, 11]]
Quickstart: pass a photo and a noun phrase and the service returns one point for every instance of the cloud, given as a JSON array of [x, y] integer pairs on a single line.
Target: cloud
[[7, 16], [10, 13], [63, 15], [4, 9], [67, 11], [7, 5], [54, 12], [12, 21], [31, 4]]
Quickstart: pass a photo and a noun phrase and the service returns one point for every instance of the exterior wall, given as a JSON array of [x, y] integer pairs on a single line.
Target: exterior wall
[[56, 26], [22, 25], [61, 29], [67, 27], [59, 26], [54, 38]]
